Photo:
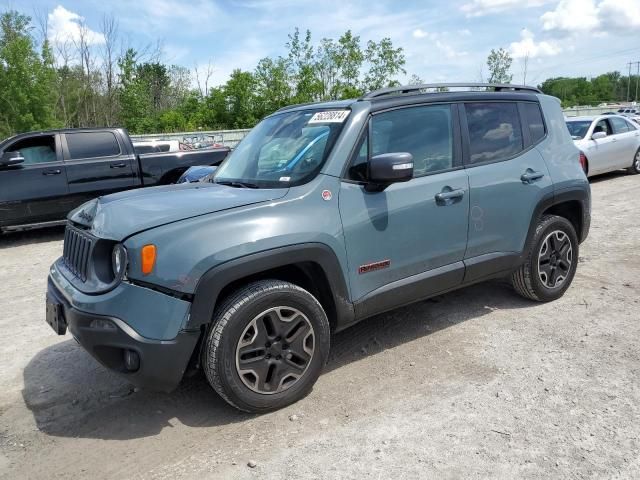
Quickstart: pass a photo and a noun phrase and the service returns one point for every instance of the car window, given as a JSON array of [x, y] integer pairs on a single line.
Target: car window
[[424, 132], [602, 126], [631, 126], [303, 153], [494, 131], [619, 125], [164, 147], [533, 118], [358, 169], [36, 150], [578, 128], [142, 149], [92, 144]]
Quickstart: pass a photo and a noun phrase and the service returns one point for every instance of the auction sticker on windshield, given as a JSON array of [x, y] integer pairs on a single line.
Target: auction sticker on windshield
[[330, 116]]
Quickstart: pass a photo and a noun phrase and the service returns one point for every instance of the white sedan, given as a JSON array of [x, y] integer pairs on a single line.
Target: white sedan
[[608, 142]]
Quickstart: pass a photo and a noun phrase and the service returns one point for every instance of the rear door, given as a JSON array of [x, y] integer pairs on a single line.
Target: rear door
[[97, 164], [626, 137], [507, 176], [36, 190]]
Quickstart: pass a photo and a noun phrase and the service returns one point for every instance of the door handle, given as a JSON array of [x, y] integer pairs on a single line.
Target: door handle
[[614, 140], [118, 165], [48, 173], [447, 196], [530, 176]]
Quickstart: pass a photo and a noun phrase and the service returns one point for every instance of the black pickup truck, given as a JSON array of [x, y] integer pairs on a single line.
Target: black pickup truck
[[45, 175]]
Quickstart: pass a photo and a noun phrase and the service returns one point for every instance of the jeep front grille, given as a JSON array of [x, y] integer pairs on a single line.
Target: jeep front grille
[[77, 250]]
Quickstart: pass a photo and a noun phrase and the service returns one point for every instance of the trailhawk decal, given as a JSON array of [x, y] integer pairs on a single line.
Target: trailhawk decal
[[330, 116], [372, 267]]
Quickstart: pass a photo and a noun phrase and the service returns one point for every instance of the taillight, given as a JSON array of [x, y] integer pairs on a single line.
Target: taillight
[[583, 162]]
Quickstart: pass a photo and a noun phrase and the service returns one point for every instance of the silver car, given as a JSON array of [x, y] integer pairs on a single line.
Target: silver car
[[607, 142]]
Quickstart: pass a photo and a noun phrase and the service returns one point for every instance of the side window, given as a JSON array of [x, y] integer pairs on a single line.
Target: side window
[[36, 150], [619, 125], [92, 145], [424, 132], [358, 168], [631, 126], [494, 131], [533, 119], [602, 126]]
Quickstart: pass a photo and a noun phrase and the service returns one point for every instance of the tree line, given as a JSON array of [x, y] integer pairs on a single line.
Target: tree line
[[81, 83], [77, 83]]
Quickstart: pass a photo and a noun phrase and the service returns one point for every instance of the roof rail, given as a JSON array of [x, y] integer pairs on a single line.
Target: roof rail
[[413, 89]]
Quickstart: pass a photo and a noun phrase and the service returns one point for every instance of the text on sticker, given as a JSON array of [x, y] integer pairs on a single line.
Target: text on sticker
[[330, 116]]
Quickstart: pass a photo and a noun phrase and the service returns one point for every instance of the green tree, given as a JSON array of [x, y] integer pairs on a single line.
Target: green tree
[[385, 63], [273, 85], [240, 100], [499, 63], [307, 88], [27, 78]]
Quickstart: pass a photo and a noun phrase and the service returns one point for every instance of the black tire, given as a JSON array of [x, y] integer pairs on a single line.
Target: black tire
[[528, 280], [237, 317], [634, 169]]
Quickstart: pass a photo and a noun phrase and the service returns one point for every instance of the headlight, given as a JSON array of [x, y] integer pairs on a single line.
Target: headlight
[[119, 261]]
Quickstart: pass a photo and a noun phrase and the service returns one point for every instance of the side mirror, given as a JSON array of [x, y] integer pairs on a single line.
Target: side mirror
[[9, 159], [389, 168], [598, 135]]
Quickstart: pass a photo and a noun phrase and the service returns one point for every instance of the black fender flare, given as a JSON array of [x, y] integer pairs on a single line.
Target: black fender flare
[[579, 194], [217, 278]]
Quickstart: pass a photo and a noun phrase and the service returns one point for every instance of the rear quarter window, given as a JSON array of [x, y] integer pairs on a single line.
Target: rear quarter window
[[534, 121], [495, 132], [92, 145]]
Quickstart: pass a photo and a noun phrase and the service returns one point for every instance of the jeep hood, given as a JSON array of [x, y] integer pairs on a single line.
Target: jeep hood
[[124, 214]]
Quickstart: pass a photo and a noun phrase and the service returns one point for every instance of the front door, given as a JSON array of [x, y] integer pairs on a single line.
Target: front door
[[508, 178], [36, 190], [602, 153], [413, 229], [96, 165]]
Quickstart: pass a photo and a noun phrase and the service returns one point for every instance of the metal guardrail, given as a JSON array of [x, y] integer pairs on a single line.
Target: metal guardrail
[[199, 139], [589, 111]]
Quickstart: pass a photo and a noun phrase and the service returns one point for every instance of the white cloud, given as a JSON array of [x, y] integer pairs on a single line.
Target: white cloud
[[619, 14], [449, 51], [573, 16], [66, 26], [477, 8], [419, 33], [527, 46]]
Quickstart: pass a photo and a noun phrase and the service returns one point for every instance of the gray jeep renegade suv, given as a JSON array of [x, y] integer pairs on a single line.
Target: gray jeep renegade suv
[[324, 215]]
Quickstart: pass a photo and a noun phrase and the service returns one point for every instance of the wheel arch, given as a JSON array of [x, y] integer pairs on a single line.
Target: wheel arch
[[574, 204], [312, 266]]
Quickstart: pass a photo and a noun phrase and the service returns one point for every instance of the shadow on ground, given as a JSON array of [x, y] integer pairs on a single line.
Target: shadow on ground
[[18, 239], [71, 395]]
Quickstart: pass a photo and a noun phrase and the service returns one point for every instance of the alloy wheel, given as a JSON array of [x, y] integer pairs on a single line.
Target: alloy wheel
[[275, 350], [555, 259]]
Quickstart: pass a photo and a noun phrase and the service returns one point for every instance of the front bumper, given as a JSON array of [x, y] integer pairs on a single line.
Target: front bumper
[[161, 363]]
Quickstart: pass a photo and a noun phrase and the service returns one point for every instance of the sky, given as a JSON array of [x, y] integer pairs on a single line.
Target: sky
[[444, 40]]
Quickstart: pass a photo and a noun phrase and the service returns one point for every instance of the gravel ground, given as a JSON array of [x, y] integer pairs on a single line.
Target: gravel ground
[[477, 383]]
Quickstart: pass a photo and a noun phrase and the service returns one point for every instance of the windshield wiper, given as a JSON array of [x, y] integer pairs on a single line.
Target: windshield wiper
[[236, 184]]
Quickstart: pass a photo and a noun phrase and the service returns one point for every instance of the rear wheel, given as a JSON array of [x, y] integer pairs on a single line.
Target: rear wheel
[[551, 261], [634, 169], [267, 347]]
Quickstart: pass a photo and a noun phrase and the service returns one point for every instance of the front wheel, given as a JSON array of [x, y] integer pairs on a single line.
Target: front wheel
[[267, 346], [634, 169], [551, 261]]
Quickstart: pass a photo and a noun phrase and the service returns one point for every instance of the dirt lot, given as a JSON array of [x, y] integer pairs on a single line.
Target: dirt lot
[[478, 383]]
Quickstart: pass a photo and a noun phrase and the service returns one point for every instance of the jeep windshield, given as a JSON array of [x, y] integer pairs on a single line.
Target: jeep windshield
[[283, 150]]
